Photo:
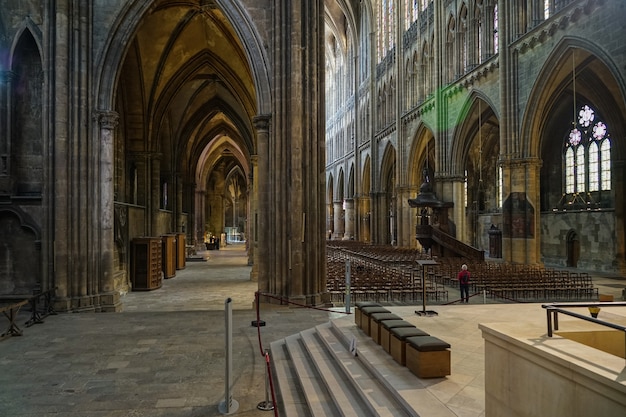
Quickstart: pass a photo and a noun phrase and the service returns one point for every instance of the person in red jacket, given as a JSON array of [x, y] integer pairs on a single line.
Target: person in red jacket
[[464, 279]]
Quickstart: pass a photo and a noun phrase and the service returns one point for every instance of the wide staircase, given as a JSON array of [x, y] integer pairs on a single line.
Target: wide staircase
[[316, 374]]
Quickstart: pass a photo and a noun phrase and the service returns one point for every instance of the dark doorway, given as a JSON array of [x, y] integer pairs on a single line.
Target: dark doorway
[[573, 249]]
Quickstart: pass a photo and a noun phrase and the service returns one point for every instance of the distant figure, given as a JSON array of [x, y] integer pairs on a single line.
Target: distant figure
[[464, 280]]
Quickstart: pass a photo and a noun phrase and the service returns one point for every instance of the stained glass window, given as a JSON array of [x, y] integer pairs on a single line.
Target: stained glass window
[[495, 28], [605, 170], [587, 154], [569, 171], [594, 180]]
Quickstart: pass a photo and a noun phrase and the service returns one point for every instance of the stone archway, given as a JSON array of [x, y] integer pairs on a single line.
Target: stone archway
[[572, 249], [156, 130]]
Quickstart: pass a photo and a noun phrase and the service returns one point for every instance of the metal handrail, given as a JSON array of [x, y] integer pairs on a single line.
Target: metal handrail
[[553, 309]]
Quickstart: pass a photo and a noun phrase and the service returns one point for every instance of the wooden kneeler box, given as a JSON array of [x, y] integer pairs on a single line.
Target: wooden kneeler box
[[365, 316], [385, 331], [376, 322], [428, 356], [358, 314], [397, 342]]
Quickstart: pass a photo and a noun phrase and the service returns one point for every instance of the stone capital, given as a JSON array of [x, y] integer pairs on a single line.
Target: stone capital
[[107, 119], [262, 122]]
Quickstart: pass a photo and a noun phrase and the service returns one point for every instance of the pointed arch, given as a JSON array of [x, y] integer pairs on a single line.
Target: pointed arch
[[22, 156], [109, 62], [340, 191], [330, 189], [466, 128], [598, 80], [351, 190], [421, 155]]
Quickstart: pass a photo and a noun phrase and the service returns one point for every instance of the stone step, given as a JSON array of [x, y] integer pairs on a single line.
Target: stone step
[[287, 388], [380, 401], [316, 396], [411, 391], [346, 396], [317, 375]]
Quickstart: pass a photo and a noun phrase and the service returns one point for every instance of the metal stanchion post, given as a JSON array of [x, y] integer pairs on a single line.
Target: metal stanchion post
[[229, 405], [348, 272], [266, 405]]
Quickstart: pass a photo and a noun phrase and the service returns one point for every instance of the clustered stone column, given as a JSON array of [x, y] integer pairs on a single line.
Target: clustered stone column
[[349, 216], [339, 216], [260, 217], [108, 121]]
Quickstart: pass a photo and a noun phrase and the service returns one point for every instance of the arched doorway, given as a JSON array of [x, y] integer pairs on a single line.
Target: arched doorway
[[573, 248]]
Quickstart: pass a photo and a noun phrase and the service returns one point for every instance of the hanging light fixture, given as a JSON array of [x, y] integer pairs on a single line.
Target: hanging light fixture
[[481, 192], [575, 136]]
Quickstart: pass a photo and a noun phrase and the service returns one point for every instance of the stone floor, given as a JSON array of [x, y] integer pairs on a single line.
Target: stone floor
[[163, 356]]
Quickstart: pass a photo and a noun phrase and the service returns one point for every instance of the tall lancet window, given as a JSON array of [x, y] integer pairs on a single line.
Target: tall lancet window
[[587, 154]]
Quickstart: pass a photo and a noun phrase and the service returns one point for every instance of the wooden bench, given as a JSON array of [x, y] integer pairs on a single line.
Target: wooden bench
[[10, 311], [375, 324], [428, 356], [397, 342]]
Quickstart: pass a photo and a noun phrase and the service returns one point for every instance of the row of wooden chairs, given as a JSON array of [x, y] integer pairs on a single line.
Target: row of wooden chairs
[[391, 274], [378, 279]]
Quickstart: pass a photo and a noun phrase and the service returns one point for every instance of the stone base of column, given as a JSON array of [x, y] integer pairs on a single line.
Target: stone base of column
[[254, 273], [110, 303]]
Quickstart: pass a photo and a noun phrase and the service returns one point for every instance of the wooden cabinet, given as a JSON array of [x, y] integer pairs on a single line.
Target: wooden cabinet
[[146, 272], [169, 256], [181, 251]]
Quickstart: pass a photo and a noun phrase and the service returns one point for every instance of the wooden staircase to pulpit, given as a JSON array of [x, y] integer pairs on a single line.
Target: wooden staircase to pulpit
[[443, 244]]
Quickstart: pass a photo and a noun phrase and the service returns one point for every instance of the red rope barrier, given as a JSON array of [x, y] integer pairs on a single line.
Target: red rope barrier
[[265, 353], [269, 373], [302, 305]]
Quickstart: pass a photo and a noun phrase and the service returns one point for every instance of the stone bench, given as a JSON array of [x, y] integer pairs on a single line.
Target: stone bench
[[397, 342], [385, 331], [358, 314], [428, 356], [376, 320]]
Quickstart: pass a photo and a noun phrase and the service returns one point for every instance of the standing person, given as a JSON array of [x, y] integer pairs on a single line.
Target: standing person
[[464, 279]]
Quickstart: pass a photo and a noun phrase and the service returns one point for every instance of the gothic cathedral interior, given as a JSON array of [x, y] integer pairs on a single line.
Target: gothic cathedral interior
[[283, 124]]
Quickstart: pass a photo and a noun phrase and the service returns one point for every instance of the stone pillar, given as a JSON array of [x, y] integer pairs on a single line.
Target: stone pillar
[[520, 212], [297, 164], [199, 214], [406, 217], [109, 297], [181, 223], [330, 220], [261, 216], [6, 87], [349, 215], [618, 166], [155, 194], [487, 31], [252, 210], [365, 218], [339, 219]]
